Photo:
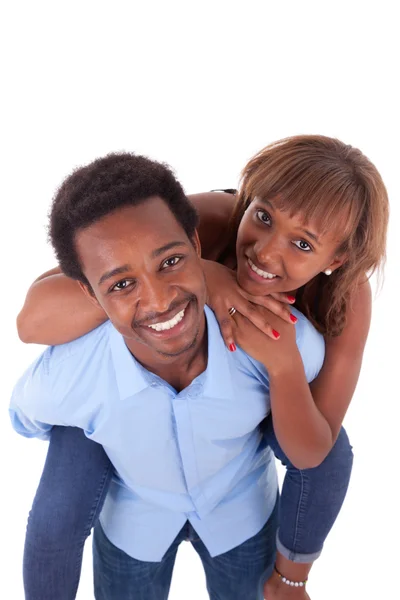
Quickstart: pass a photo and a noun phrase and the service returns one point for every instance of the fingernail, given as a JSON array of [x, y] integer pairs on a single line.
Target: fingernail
[[293, 319], [232, 347], [276, 334], [291, 298]]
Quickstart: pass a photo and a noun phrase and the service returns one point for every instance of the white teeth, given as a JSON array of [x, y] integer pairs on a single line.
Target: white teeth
[[260, 272], [168, 324]]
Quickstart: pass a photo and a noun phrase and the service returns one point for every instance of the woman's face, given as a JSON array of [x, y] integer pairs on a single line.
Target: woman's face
[[277, 252]]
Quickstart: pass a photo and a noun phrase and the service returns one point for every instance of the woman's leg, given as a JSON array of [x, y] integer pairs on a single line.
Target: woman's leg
[[311, 500], [71, 492]]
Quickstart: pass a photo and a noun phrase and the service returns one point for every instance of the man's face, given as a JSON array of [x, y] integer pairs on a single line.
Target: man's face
[[147, 276]]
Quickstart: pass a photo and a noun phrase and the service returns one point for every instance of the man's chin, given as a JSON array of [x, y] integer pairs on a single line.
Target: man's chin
[[178, 351]]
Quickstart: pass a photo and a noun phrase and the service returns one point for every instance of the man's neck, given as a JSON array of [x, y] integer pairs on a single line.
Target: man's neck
[[179, 371]]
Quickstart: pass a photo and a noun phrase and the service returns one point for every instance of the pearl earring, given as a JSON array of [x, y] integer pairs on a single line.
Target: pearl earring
[[328, 272]]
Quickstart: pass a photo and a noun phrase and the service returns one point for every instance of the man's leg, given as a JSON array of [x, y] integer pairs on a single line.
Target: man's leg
[[118, 576], [240, 573], [69, 498]]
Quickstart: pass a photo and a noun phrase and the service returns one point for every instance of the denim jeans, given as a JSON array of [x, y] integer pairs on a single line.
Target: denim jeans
[[75, 481], [71, 492], [311, 499], [235, 575]]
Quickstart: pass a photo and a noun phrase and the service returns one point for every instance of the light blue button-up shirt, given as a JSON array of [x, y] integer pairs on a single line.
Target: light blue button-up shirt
[[197, 455]]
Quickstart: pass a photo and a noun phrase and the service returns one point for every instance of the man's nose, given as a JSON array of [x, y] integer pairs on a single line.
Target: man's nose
[[157, 295]]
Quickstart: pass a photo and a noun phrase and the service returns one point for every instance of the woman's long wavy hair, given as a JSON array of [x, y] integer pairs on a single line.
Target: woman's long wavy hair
[[330, 183]]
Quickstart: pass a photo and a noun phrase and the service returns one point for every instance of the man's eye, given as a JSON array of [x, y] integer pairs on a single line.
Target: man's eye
[[121, 285], [263, 216], [302, 245], [171, 262]]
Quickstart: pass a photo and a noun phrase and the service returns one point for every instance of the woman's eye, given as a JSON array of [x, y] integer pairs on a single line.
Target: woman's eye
[[171, 262], [263, 216], [302, 245], [121, 285]]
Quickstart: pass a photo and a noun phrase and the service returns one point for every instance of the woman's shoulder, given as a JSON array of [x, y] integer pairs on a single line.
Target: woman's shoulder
[[215, 210]]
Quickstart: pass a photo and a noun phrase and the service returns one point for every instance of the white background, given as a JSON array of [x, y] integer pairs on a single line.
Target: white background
[[202, 86]]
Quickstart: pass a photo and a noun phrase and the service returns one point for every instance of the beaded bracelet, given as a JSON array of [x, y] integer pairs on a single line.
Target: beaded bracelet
[[288, 582]]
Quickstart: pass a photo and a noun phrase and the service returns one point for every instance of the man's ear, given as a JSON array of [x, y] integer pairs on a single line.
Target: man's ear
[[87, 290], [196, 243]]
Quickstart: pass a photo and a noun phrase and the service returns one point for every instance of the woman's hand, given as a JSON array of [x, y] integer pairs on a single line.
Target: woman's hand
[[278, 356], [224, 293]]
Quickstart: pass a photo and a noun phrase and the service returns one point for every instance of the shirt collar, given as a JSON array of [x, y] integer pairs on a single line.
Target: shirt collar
[[217, 379], [131, 377], [214, 382]]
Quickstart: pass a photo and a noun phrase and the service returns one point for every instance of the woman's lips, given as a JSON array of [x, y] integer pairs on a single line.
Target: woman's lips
[[258, 274]]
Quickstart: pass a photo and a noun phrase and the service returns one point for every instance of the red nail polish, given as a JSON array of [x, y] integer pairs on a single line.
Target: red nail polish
[[232, 347], [276, 334], [293, 319], [291, 298]]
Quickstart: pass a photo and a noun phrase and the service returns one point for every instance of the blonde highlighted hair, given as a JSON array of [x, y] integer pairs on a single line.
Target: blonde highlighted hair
[[330, 183]]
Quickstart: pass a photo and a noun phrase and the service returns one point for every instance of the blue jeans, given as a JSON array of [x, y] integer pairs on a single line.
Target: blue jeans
[[235, 575], [311, 499], [75, 481], [71, 492]]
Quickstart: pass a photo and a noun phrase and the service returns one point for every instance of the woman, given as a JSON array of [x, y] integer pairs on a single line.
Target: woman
[[306, 204]]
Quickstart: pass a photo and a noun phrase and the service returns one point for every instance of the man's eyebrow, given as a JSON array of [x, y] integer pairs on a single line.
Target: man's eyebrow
[[166, 247], [113, 272], [126, 268], [306, 231]]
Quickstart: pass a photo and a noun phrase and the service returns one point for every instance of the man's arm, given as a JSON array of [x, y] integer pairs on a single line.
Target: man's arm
[[32, 409]]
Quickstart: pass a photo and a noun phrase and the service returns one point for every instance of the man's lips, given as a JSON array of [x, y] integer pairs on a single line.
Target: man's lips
[[169, 323], [173, 326], [165, 317]]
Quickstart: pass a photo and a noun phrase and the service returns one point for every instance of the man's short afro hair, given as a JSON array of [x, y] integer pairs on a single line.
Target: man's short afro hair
[[103, 186]]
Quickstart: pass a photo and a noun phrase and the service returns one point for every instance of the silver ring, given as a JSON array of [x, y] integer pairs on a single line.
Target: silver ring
[[232, 311]]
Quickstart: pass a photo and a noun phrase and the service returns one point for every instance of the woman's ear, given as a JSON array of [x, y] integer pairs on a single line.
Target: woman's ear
[[337, 262]]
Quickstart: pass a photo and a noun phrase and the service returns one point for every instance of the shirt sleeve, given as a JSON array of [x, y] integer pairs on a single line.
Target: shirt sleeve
[[31, 410], [311, 345]]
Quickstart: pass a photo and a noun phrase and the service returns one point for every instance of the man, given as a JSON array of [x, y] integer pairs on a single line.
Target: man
[[177, 414]]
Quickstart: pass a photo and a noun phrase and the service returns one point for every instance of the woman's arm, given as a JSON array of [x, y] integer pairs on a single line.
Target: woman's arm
[[307, 419], [56, 311], [334, 387], [214, 210]]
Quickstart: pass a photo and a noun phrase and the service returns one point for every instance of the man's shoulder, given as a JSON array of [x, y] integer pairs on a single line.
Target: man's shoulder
[[59, 370], [72, 353]]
